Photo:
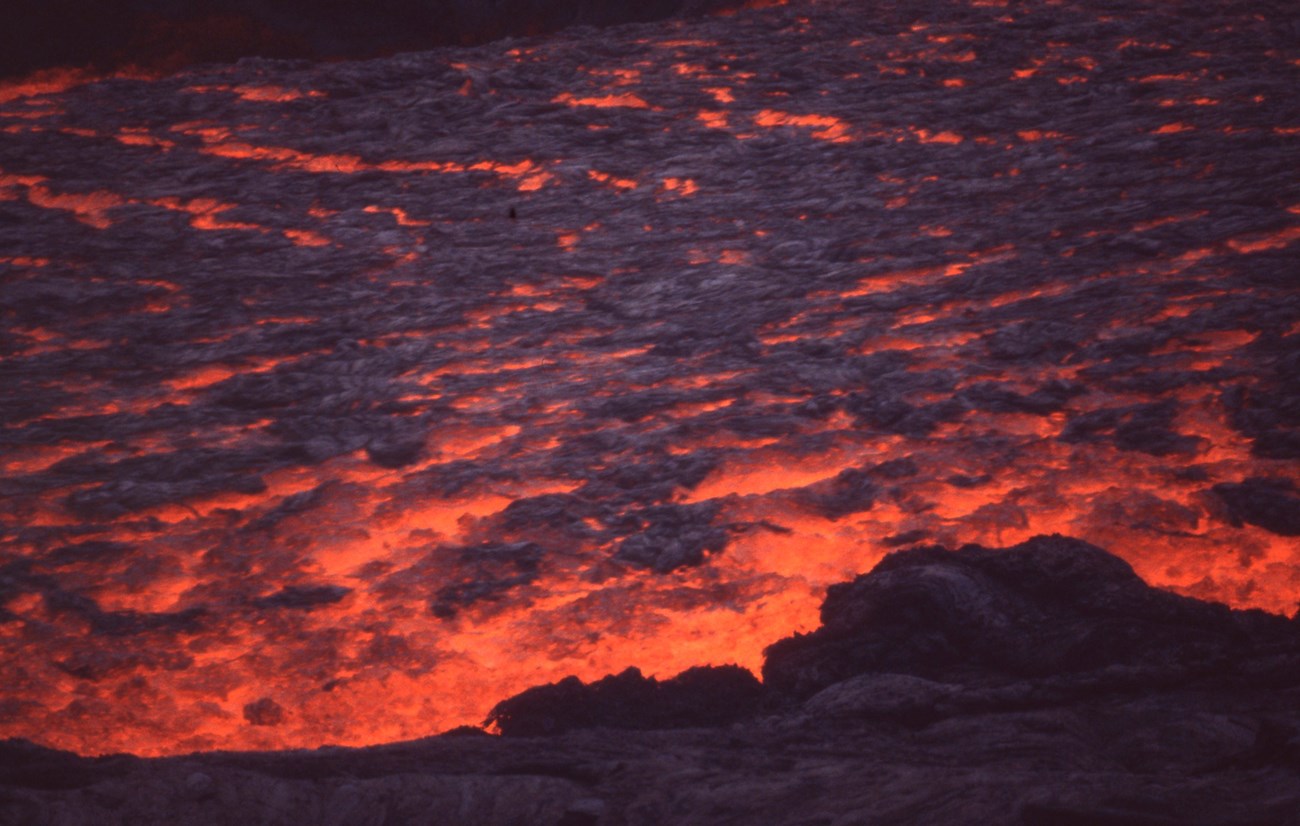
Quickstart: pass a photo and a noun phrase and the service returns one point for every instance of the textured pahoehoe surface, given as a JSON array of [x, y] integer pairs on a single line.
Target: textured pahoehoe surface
[[343, 400]]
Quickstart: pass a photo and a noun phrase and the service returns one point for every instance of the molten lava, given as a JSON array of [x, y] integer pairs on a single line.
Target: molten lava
[[344, 400]]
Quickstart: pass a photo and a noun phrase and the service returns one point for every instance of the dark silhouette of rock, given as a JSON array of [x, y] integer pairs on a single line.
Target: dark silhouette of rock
[[30, 766], [264, 712], [492, 570], [396, 452], [851, 491], [705, 696], [1050, 606], [1147, 428], [304, 597]]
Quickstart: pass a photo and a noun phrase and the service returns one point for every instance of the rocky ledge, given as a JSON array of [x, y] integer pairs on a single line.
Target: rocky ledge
[[1040, 684]]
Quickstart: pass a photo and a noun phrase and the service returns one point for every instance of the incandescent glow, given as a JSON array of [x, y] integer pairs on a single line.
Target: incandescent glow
[[824, 127], [344, 400]]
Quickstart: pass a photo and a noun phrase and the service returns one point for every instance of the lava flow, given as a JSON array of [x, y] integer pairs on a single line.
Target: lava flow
[[343, 400]]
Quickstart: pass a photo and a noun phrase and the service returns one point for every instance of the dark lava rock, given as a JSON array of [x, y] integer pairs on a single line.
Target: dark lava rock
[[905, 538], [1049, 606], [1272, 504], [396, 452], [24, 764], [304, 597], [1047, 814], [1146, 428], [903, 468], [698, 697], [674, 536], [1268, 411], [264, 712], [1049, 398], [490, 570], [1033, 340], [851, 491]]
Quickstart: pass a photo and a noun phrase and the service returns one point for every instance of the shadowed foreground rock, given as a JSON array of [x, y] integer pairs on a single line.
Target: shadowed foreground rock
[[710, 696], [1041, 684], [1052, 608]]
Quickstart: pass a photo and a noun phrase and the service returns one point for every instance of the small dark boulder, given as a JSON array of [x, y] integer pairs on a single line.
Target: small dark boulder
[[264, 712]]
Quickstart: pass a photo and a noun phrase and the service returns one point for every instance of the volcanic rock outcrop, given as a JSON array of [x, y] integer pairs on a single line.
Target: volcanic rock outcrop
[[1040, 684], [1052, 607], [705, 696]]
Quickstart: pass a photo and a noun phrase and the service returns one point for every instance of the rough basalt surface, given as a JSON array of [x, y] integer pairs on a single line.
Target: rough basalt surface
[[1041, 684]]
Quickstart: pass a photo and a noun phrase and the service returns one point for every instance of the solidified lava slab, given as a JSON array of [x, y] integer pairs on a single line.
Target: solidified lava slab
[[343, 400]]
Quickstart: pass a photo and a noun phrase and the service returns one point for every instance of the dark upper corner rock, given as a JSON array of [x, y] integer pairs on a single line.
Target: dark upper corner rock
[[1051, 607], [698, 697]]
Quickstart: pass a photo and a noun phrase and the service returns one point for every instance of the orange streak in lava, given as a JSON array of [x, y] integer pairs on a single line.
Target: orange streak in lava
[[1037, 135], [626, 100], [827, 128], [306, 238], [1272, 241], [403, 219], [204, 212], [90, 208], [713, 120], [617, 183], [926, 136], [53, 81], [272, 94], [680, 186]]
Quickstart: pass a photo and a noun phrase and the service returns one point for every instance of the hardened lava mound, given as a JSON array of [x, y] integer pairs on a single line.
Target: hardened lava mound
[[343, 400]]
